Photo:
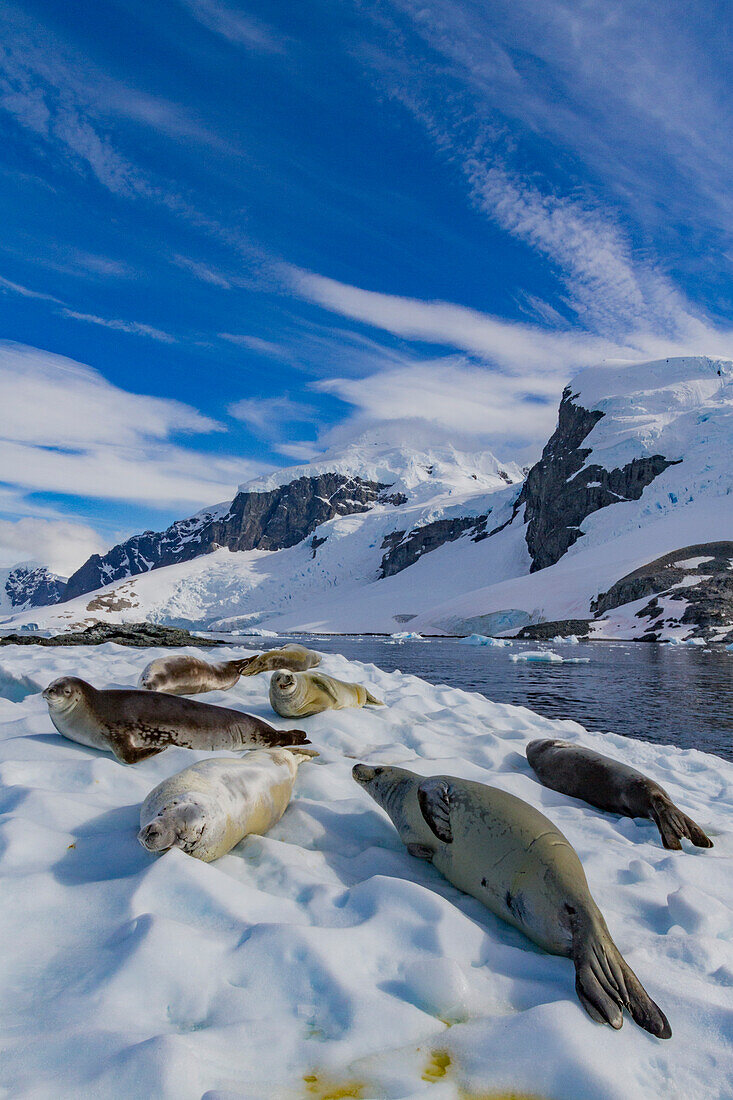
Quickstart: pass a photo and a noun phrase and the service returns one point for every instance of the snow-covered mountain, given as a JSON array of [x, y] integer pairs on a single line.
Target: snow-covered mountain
[[636, 478], [29, 584]]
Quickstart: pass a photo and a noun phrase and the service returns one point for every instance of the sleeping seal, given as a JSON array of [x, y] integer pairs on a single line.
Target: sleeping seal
[[295, 657], [208, 808], [502, 851], [137, 724], [186, 675], [299, 694], [609, 785]]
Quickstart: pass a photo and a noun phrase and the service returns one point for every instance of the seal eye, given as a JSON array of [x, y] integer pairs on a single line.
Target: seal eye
[[378, 771]]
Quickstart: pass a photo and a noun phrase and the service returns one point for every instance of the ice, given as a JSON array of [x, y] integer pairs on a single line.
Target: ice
[[538, 655], [482, 639], [570, 639], [322, 959], [405, 636]]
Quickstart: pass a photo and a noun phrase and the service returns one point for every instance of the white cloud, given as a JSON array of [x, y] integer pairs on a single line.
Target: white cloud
[[235, 26], [256, 343], [25, 292], [267, 415], [65, 429], [203, 272], [135, 328], [62, 545]]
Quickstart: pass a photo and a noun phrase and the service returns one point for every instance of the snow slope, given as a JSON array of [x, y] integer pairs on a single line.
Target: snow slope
[[322, 960], [679, 408]]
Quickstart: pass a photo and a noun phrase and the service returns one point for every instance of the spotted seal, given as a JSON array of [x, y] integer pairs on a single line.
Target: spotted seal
[[184, 674], [136, 724], [299, 694], [208, 808], [610, 785], [509, 856]]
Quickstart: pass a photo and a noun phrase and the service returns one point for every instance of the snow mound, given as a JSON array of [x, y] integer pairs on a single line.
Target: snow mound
[[322, 959]]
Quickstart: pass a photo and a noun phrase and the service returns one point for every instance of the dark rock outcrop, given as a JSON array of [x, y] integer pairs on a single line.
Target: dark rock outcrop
[[404, 549], [271, 520], [705, 605], [139, 635], [558, 628], [560, 491], [34, 586]]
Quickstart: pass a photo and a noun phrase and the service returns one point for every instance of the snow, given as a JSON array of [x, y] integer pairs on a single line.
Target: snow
[[481, 639], [322, 959]]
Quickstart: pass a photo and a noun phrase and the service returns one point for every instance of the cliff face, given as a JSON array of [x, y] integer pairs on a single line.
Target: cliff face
[[404, 549], [271, 520], [560, 490], [33, 586]]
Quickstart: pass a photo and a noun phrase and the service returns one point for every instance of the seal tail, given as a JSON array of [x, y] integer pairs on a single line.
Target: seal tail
[[606, 984], [371, 700], [673, 824]]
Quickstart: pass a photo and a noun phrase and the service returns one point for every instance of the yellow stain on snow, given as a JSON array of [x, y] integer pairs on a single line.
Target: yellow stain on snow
[[328, 1088], [437, 1066]]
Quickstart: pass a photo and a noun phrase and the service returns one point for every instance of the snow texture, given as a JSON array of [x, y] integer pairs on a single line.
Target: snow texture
[[322, 959]]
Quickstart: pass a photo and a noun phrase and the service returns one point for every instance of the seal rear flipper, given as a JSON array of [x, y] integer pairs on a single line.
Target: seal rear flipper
[[673, 824], [606, 984], [287, 738], [245, 663], [371, 700]]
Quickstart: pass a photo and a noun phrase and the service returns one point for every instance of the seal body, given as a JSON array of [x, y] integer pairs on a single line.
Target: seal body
[[137, 724], [292, 656], [509, 856], [208, 808], [610, 785], [186, 675], [299, 694]]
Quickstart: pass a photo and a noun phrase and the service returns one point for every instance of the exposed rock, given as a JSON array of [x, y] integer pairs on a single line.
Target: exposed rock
[[139, 635], [560, 491], [270, 520], [33, 586], [705, 604], [404, 550], [559, 628]]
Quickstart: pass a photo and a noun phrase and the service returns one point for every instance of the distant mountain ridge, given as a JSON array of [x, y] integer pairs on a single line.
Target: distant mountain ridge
[[379, 534]]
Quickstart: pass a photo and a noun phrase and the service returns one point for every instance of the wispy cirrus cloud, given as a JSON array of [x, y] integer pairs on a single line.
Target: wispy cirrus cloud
[[135, 328], [67, 430], [238, 27]]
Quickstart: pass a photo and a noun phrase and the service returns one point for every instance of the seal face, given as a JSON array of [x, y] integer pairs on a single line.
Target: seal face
[[187, 675], [509, 856], [208, 808], [136, 724], [300, 694], [610, 785], [292, 656]]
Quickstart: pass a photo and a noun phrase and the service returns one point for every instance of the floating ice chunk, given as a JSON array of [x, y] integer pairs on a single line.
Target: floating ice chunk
[[570, 639], [405, 636], [481, 639], [549, 656]]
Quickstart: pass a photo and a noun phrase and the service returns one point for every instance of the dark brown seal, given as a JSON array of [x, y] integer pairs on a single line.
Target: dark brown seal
[[610, 785], [137, 724]]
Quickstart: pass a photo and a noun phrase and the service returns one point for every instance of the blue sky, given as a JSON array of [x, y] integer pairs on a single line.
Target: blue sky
[[237, 234]]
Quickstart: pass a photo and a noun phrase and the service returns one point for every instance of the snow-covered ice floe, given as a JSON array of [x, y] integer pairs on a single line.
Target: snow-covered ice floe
[[548, 656], [405, 636], [322, 959], [481, 639]]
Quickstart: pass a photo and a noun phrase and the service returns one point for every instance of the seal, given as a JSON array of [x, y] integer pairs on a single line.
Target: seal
[[299, 694], [509, 856], [295, 657], [208, 808], [137, 724], [610, 785], [186, 675]]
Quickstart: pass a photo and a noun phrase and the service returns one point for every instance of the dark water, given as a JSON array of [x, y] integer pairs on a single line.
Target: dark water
[[675, 695]]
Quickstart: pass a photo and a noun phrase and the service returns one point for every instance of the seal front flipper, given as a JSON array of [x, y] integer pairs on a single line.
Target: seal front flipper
[[433, 796], [421, 851], [673, 824], [604, 981]]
